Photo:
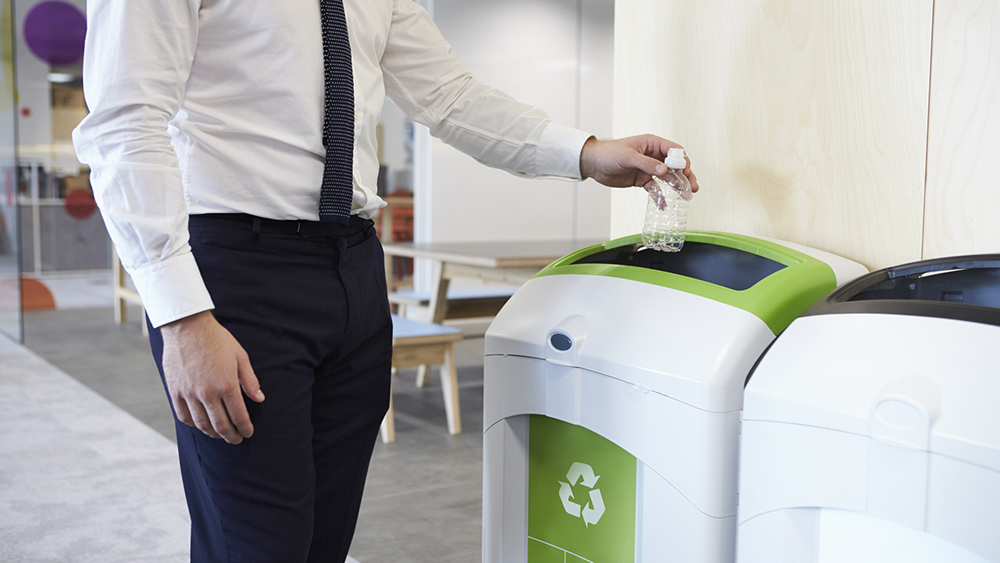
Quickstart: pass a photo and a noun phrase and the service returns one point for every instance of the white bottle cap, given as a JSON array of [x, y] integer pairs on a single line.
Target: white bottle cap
[[675, 159]]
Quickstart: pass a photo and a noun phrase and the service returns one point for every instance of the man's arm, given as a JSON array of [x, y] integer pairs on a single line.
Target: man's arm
[[432, 88], [137, 59]]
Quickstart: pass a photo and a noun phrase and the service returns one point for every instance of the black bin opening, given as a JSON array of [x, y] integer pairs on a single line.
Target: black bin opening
[[719, 265], [974, 286]]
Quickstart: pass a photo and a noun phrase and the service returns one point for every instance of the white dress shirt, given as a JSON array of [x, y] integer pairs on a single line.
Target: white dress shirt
[[216, 106]]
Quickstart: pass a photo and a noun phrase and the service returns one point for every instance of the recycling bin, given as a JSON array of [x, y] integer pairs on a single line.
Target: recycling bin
[[871, 428], [613, 390]]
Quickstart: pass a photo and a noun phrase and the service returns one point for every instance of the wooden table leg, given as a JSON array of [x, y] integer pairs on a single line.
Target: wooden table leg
[[438, 307], [439, 293]]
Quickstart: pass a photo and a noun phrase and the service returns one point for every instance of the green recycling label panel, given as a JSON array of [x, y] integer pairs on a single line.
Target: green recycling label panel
[[581, 495]]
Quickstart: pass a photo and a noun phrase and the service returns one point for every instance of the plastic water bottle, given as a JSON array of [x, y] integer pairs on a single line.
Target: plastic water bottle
[[667, 207]]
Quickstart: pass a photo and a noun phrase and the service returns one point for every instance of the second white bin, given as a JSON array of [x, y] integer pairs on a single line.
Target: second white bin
[[871, 429]]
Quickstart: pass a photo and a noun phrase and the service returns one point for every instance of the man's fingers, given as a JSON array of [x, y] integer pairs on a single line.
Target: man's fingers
[[235, 406], [661, 147], [201, 419], [656, 147], [182, 412], [248, 379], [218, 413], [236, 413], [692, 180], [218, 416], [660, 168]]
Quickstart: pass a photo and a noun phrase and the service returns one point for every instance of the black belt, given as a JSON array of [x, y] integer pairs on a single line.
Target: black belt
[[356, 230]]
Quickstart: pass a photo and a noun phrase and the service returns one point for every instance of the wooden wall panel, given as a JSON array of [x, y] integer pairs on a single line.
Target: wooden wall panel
[[962, 215], [806, 120]]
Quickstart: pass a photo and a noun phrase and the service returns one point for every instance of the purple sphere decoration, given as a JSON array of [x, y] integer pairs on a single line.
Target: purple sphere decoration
[[55, 32]]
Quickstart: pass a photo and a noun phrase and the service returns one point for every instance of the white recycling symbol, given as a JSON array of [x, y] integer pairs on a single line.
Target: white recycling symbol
[[592, 512]]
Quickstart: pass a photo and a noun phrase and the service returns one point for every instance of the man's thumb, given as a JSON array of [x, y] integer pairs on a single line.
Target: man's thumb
[[649, 165]]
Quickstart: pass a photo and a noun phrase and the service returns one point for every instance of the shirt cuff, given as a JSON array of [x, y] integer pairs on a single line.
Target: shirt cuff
[[172, 289], [559, 150]]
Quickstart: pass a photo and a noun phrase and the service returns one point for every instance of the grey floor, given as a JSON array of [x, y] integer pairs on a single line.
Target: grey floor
[[80, 479], [423, 497]]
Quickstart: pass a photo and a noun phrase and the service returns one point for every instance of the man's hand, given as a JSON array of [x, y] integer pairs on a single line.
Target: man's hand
[[205, 367], [628, 162]]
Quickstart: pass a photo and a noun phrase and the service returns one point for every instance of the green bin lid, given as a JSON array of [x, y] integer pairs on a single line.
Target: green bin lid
[[767, 279]]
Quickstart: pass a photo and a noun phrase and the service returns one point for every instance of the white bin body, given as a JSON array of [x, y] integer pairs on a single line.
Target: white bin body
[[873, 437], [657, 371]]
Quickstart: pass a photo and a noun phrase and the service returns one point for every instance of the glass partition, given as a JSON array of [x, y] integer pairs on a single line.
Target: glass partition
[[57, 236], [10, 286]]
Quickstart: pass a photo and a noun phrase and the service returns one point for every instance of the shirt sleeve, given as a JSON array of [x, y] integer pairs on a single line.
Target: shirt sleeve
[[137, 58], [432, 88]]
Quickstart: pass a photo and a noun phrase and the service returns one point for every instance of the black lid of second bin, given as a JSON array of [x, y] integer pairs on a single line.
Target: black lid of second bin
[[963, 287]]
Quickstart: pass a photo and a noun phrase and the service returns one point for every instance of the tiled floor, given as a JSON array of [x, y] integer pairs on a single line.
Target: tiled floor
[[80, 479], [423, 496]]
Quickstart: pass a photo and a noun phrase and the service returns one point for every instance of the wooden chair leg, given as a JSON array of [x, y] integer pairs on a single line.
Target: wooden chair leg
[[388, 429], [449, 387], [422, 375], [119, 275]]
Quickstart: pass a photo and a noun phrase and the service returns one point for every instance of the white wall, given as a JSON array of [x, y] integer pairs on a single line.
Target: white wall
[[556, 54]]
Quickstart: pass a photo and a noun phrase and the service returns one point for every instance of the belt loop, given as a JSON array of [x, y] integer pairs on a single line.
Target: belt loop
[[255, 233], [340, 244]]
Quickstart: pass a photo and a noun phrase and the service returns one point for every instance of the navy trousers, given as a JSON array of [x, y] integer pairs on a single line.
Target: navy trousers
[[307, 301]]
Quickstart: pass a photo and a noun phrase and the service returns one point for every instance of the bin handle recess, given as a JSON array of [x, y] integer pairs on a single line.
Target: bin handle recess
[[980, 261]]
